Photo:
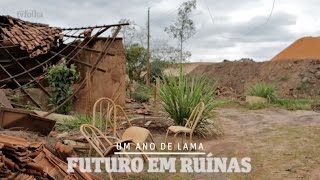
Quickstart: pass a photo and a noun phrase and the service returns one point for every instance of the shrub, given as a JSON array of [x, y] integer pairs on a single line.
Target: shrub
[[61, 78], [263, 90], [142, 94], [15, 97], [181, 95], [156, 70], [136, 61]]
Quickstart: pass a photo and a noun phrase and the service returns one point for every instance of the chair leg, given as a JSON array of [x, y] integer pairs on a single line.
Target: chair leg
[[126, 155], [190, 140], [151, 137], [174, 140], [144, 156], [184, 138], [110, 176], [90, 151], [166, 138]]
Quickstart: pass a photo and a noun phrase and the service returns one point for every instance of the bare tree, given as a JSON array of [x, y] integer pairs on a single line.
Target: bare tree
[[162, 50], [128, 32], [184, 27]]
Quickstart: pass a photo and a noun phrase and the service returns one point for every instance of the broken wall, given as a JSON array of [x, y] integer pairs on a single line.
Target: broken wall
[[109, 84]]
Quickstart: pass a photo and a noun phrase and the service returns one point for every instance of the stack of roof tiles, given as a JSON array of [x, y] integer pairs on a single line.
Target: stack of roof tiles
[[16, 158], [35, 38], [20, 159]]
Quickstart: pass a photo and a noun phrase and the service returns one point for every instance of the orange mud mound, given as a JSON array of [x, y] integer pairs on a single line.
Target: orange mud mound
[[307, 48], [295, 71]]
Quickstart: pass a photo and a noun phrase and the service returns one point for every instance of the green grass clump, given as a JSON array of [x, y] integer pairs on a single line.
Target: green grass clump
[[263, 90], [181, 94], [294, 104], [74, 124]]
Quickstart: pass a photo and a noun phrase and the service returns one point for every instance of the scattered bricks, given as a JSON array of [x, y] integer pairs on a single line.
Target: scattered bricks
[[64, 151], [17, 161]]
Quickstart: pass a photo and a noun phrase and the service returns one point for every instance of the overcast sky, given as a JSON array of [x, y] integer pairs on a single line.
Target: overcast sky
[[237, 29]]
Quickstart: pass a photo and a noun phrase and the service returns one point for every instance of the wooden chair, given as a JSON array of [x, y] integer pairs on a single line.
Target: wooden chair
[[101, 143], [189, 126], [102, 113], [115, 117], [123, 123]]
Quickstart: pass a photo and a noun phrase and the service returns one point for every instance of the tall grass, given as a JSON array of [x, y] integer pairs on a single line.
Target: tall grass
[[181, 94], [264, 90]]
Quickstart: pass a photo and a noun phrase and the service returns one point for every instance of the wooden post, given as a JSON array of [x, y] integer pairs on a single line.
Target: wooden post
[[156, 96], [89, 93], [148, 53]]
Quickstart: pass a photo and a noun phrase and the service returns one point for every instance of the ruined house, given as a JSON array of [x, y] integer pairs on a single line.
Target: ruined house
[[26, 48]]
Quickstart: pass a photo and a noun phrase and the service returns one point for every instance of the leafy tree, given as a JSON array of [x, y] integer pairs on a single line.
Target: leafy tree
[[157, 68], [61, 78], [184, 27], [136, 61]]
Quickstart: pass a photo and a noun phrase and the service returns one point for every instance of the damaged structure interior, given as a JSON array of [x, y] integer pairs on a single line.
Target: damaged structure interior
[[26, 49]]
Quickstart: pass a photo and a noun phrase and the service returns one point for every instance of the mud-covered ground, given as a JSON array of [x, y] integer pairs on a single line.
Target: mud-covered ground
[[282, 144]]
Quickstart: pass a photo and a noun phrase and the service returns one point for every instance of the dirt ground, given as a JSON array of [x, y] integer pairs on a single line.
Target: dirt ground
[[282, 144]]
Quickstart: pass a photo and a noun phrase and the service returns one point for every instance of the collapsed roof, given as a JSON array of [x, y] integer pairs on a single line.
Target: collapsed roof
[[35, 38], [41, 45]]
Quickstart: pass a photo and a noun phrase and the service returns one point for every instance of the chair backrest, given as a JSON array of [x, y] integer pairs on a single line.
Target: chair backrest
[[195, 116], [103, 113], [121, 121], [95, 138]]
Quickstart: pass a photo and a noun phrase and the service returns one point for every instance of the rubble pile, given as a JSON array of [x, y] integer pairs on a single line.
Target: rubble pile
[[20, 159], [223, 91]]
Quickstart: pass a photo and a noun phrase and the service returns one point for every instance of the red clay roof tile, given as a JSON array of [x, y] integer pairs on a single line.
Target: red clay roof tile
[[35, 37]]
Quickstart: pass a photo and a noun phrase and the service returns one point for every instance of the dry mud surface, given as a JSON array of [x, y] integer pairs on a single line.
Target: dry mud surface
[[282, 144]]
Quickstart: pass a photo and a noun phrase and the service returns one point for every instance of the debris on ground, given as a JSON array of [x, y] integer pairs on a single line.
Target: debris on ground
[[133, 107], [20, 158], [59, 118], [19, 119], [4, 101], [223, 91]]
